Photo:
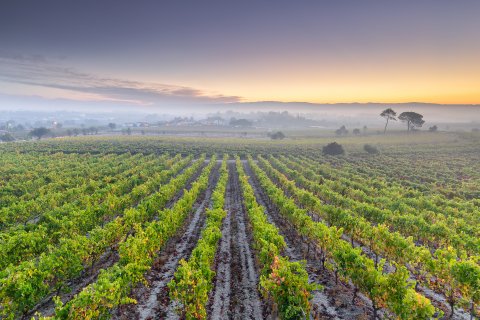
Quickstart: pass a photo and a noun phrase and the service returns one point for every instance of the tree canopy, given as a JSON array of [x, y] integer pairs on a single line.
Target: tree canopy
[[412, 119], [39, 132], [240, 122], [341, 131], [333, 149], [6, 137], [277, 135], [388, 114]]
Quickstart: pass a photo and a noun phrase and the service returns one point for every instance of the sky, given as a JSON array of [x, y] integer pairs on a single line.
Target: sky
[[159, 54]]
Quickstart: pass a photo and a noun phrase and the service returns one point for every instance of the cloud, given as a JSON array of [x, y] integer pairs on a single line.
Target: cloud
[[34, 58], [39, 72]]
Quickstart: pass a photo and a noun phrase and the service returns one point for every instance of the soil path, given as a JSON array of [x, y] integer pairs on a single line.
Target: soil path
[[153, 301], [335, 301], [235, 295], [437, 299], [108, 259]]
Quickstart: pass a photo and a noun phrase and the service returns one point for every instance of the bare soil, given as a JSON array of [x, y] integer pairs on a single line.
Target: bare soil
[[108, 259], [335, 301], [153, 300], [437, 299], [235, 295]]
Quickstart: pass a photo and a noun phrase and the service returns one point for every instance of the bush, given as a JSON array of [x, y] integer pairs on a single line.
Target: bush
[[333, 149], [277, 135], [6, 137], [342, 131], [370, 149], [39, 132]]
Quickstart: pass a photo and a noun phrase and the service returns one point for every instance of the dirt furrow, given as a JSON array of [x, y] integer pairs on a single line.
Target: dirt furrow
[[221, 297], [235, 295], [108, 259], [153, 300], [437, 299], [335, 301]]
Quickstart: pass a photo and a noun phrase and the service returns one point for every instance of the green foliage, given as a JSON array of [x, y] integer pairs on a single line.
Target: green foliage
[[6, 137], [370, 149], [193, 279], [39, 132], [416, 211], [283, 282], [333, 149], [413, 119], [287, 284], [392, 290], [279, 135]]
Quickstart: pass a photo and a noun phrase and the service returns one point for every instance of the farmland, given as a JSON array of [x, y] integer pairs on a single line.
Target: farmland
[[181, 227]]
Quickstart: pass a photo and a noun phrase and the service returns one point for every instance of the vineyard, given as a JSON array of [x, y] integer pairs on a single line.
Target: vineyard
[[143, 228]]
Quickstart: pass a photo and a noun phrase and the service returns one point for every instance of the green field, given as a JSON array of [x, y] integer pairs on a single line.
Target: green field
[[140, 227]]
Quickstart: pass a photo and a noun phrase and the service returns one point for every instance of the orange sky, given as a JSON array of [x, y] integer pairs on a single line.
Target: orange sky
[[311, 51]]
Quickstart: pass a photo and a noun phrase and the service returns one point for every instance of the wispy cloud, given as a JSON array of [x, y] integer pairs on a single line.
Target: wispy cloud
[[38, 71]]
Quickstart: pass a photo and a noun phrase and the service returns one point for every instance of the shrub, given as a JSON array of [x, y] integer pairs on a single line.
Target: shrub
[[370, 149], [277, 135], [333, 149], [6, 137]]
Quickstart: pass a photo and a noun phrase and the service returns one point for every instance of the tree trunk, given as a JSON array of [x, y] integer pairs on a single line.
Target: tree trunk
[[472, 310], [375, 310], [385, 130], [452, 306], [355, 290]]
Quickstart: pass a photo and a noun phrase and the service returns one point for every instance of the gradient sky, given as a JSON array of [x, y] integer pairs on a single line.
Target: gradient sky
[[157, 53]]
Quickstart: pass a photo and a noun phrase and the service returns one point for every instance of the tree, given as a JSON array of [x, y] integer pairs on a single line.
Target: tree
[[112, 126], [388, 114], [39, 132], [412, 119], [370, 149], [277, 135], [240, 122], [356, 131], [215, 119], [433, 129], [341, 131], [333, 149], [6, 137]]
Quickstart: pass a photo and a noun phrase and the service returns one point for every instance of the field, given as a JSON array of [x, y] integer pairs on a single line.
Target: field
[[143, 227]]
